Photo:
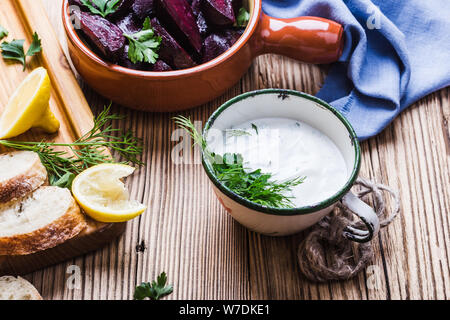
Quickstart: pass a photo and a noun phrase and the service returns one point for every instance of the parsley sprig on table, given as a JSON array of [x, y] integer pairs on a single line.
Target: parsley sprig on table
[[63, 165], [101, 7], [144, 44], [254, 186], [155, 290], [14, 50]]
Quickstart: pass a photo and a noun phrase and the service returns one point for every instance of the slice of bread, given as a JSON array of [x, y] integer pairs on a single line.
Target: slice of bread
[[21, 172], [43, 219], [12, 288]]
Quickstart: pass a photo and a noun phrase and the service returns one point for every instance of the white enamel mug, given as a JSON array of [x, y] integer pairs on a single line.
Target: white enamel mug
[[278, 103]]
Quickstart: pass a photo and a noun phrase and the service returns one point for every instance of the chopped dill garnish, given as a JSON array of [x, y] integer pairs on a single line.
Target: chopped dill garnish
[[255, 128], [63, 165], [254, 186], [237, 132]]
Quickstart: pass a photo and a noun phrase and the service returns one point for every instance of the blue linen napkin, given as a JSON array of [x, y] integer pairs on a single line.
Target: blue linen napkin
[[396, 52]]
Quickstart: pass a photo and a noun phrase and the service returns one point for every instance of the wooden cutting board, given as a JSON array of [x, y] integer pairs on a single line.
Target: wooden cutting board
[[22, 18]]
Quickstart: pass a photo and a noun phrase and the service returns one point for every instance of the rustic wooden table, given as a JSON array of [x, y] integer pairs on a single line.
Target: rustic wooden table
[[207, 255]]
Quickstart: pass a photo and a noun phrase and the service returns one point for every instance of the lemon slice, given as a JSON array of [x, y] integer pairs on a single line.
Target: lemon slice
[[28, 107], [103, 196]]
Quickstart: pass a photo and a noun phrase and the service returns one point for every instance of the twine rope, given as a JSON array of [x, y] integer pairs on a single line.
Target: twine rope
[[325, 254]]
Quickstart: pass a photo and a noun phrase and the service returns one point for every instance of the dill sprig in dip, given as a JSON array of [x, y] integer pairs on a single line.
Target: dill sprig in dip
[[253, 185]]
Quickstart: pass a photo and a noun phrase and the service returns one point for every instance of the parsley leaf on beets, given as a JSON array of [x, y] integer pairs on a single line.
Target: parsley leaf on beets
[[242, 18], [3, 32], [14, 50], [101, 7], [155, 290], [143, 44]]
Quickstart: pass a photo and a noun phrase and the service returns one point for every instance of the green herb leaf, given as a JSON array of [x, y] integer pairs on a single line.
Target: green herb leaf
[[186, 124], [64, 182], [255, 128], [242, 18], [63, 165], [3, 32], [35, 46], [101, 7], [254, 185], [14, 50], [155, 290], [143, 45], [111, 6], [147, 24], [237, 132], [92, 7]]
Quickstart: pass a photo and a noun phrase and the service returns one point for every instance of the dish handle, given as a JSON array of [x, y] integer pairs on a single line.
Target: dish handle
[[307, 39], [366, 214]]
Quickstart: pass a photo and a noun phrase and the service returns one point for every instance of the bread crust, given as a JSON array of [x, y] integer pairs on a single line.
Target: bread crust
[[23, 184], [62, 229]]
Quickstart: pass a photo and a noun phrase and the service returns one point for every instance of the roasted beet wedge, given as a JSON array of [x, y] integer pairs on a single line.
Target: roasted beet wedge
[[178, 18], [202, 25], [233, 35], [200, 18], [161, 66], [196, 6], [170, 51], [128, 24], [106, 36], [213, 46], [219, 12], [143, 8], [122, 9], [217, 43]]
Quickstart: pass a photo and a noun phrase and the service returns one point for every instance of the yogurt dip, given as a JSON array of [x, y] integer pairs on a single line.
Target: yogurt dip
[[288, 149]]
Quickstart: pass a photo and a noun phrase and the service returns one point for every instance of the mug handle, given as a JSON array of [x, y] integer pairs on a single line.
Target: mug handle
[[366, 214], [307, 39]]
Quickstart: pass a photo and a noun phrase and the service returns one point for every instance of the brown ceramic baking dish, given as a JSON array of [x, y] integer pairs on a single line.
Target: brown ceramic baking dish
[[307, 39]]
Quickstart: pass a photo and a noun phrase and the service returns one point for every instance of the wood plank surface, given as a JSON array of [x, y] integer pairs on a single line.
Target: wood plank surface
[[68, 104], [207, 255]]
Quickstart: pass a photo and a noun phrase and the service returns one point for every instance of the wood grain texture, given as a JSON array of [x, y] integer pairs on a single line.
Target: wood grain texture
[[208, 255], [68, 104]]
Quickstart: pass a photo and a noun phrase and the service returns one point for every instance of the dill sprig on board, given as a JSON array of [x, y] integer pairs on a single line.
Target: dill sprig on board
[[254, 186], [63, 165]]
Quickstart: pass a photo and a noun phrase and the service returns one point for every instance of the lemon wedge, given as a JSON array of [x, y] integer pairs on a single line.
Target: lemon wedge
[[103, 196], [28, 107]]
